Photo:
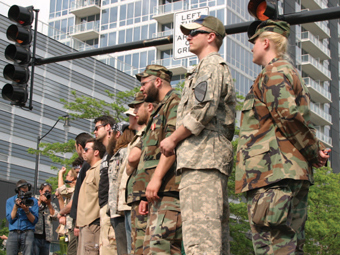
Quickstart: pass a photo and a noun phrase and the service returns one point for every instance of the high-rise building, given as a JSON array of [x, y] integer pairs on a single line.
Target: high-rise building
[[100, 23]]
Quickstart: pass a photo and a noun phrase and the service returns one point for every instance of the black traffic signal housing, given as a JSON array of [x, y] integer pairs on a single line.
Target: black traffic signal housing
[[19, 53], [263, 9]]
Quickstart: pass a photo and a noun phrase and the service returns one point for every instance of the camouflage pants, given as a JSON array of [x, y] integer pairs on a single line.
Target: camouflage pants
[[277, 216], [164, 228], [205, 212], [138, 227]]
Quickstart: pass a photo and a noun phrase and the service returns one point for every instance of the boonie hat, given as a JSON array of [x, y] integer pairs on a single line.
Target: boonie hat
[[121, 126], [276, 26], [130, 112], [205, 21], [139, 98], [156, 70]]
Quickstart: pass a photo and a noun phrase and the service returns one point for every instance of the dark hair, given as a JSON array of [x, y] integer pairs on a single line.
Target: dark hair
[[78, 161], [124, 139], [20, 182], [82, 138], [42, 186], [97, 146], [105, 119]]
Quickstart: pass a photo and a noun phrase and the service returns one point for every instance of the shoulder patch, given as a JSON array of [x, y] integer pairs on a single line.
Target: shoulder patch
[[200, 91]]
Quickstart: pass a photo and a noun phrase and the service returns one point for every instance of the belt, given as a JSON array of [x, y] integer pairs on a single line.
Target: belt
[[20, 231]]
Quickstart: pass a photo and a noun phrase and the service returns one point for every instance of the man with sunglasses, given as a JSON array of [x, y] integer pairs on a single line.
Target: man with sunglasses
[[88, 218], [204, 130], [156, 183], [48, 212]]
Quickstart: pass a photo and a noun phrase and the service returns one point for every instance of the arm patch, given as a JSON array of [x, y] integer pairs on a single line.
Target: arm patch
[[200, 91]]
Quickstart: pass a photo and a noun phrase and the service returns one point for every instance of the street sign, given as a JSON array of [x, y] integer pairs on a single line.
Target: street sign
[[180, 43]]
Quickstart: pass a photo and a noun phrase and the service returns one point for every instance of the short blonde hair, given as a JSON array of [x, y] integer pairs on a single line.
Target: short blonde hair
[[279, 41], [218, 39]]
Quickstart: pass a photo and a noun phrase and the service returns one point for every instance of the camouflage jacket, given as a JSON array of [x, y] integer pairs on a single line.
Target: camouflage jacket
[[207, 109], [129, 185], [67, 193], [44, 213], [162, 124], [277, 140], [114, 166]]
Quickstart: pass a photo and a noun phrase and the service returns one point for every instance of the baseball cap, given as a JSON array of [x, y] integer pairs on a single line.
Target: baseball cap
[[156, 70], [139, 98], [276, 26], [130, 112], [205, 21]]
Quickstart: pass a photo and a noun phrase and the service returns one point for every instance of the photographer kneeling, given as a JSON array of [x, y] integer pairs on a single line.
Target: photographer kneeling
[[22, 215], [43, 234]]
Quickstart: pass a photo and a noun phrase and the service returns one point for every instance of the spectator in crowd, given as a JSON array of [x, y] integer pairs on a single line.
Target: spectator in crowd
[[103, 132], [22, 212], [88, 218], [71, 207], [64, 194], [48, 212], [119, 153], [156, 182]]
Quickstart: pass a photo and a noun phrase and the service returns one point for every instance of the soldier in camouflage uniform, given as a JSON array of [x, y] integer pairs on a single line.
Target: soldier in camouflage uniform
[[277, 147], [156, 179], [205, 128], [43, 234]]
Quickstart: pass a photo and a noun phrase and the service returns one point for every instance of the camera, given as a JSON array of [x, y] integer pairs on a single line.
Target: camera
[[26, 198], [47, 195]]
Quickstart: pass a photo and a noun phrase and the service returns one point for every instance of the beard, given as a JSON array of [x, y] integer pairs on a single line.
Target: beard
[[151, 94]]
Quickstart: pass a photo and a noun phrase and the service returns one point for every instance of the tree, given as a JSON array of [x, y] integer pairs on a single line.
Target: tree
[[323, 224], [3, 231]]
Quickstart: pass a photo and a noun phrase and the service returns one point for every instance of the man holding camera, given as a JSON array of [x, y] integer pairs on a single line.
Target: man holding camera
[[22, 215], [43, 234]]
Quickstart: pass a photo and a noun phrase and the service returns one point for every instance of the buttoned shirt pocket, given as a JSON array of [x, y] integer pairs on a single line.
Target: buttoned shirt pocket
[[91, 183]]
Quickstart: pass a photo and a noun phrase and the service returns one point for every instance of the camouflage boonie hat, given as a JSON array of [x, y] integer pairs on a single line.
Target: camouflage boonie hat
[[156, 70], [205, 21], [121, 126], [276, 26], [139, 98]]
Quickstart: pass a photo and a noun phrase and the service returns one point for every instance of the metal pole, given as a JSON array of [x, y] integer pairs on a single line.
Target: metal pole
[[30, 106], [36, 171], [293, 19]]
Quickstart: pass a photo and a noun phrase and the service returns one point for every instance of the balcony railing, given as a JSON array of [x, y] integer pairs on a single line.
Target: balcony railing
[[84, 27], [309, 59], [316, 86], [81, 4], [309, 36], [316, 109], [170, 7], [162, 34], [171, 63], [324, 137]]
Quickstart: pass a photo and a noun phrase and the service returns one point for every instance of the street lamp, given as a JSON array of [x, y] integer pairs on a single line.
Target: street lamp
[[66, 126]]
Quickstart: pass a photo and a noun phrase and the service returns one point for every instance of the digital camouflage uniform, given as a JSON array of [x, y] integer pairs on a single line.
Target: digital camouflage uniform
[[276, 148], [207, 109], [164, 233], [138, 222]]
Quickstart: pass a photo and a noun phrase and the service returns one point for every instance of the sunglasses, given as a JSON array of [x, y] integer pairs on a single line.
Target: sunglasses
[[97, 127], [86, 149], [195, 32]]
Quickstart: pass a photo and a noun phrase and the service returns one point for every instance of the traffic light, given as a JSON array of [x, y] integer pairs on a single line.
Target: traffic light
[[19, 53], [263, 9]]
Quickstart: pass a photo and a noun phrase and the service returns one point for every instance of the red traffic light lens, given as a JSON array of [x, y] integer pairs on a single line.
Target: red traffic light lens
[[261, 8]]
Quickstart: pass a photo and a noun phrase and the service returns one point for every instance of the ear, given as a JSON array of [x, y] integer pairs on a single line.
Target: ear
[[118, 134], [150, 107], [211, 37], [266, 43], [158, 82], [96, 153]]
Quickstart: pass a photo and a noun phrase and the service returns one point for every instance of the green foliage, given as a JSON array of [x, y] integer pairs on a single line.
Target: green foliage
[[3, 231], [323, 224]]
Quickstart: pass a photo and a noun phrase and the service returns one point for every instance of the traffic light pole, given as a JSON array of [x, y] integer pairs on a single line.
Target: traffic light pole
[[293, 19], [30, 106]]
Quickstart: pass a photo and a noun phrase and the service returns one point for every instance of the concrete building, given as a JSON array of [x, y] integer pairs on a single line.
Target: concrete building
[[19, 128]]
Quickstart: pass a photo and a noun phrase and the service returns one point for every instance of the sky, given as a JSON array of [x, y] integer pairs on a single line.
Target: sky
[[43, 5]]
